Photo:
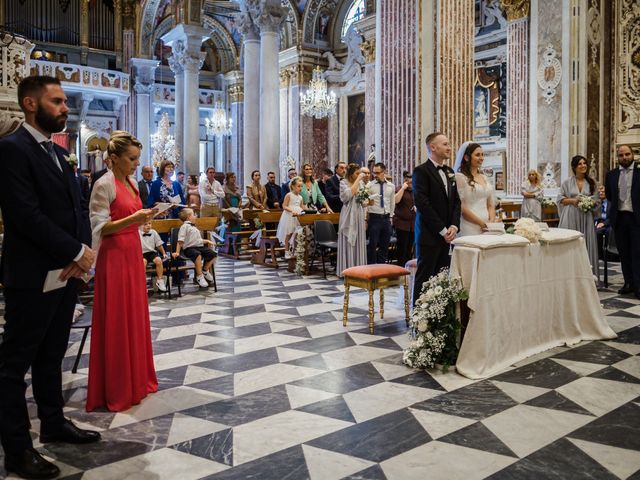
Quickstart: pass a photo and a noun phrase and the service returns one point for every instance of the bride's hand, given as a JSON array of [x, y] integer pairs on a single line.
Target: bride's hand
[[484, 227]]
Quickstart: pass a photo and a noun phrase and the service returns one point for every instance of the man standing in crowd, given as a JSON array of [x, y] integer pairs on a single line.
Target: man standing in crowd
[[274, 191], [291, 173], [380, 214], [322, 184], [333, 187], [622, 188], [41, 259], [438, 210], [144, 185], [211, 194]]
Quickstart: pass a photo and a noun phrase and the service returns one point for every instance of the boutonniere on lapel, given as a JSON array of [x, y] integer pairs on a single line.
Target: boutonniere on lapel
[[452, 178], [71, 158], [637, 165]]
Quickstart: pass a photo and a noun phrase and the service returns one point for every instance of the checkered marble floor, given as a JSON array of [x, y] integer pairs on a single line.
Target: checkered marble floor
[[260, 380]]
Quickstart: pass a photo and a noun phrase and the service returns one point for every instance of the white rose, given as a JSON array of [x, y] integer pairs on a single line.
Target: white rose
[[420, 342], [422, 326], [438, 290]]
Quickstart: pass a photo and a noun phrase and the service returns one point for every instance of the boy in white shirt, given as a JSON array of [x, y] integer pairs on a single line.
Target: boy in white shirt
[[151, 244], [190, 240]]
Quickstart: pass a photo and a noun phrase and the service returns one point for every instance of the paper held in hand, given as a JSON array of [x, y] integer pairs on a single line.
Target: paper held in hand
[[164, 206]]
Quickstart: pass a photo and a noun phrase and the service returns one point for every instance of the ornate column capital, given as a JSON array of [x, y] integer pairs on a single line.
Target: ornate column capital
[[193, 63], [368, 48], [246, 26], [236, 93], [516, 9], [268, 15], [144, 74]]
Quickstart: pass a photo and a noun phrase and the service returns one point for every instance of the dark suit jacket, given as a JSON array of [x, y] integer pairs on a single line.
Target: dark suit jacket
[[333, 193], [41, 212], [96, 176], [144, 193], [436, 208], [284, 189], [274, 194], [612, 192]]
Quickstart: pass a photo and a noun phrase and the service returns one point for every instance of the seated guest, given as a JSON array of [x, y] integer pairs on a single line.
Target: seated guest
[[311, 194], [193, 195], [326, 176], [274, 191], [291, 173], [256, 193], [211, 194], [165, 190], [333, 187], [190, 240], [151, 245]]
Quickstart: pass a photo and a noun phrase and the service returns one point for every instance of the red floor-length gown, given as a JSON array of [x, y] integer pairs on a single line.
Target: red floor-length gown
[[121, 370]]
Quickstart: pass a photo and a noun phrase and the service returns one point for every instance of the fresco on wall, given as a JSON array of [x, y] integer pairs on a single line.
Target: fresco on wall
[[230, 24], [300, 5], [356, 129]]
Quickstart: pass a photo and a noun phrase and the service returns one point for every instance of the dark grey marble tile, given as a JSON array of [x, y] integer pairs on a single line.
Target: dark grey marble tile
[[618, 303], [314, 361], [174, 344], [286, 464], [560, 460], [176, 321], [242, 332], [544, 373], [249, 309], [372, 473], [306, 320], [217, 446], [297, 332], [98, 419], [476, 401], [631, 335], [612, 373], [324, 344], [222, 385], [224, 347], [310, 300], [243, 362], [334, 407], [245, 408], [618, 428], [390, 329], [385, 343], [378, 439], [623, 313], [344, 380], [171, 378], [555, 401], [479, 437], [594, 352], [419, 379]]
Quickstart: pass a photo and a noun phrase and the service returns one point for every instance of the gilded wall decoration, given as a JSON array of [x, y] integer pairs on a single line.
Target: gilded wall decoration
[[490, 102]]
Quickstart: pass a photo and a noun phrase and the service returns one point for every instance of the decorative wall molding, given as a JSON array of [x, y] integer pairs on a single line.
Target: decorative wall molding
[[627, 66], [594, 31], [351, 71], [549, 73]]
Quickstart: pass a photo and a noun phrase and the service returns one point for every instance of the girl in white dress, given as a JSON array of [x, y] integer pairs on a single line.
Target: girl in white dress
[[293, 207], [476, 193]]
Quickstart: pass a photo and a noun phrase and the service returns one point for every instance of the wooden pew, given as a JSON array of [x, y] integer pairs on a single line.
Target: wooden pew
[[269, 247]]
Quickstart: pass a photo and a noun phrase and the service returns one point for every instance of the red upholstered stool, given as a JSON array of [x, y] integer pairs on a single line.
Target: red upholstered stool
[[372, 277]]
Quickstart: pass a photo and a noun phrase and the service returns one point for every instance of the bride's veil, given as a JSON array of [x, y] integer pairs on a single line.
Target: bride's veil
[[460, 156]]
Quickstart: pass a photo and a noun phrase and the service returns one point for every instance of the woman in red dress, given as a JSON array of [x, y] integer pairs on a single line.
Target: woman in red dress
[[121, 370]]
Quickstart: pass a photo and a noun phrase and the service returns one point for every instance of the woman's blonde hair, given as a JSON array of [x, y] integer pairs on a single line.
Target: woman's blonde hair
[[536, 173], [119, 141]]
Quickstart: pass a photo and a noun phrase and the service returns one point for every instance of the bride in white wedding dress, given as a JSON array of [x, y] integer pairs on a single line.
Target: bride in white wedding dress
[[476, 193]]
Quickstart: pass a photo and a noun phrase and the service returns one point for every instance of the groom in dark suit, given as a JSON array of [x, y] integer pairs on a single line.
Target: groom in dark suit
[[438, 210], [622, 188], [42, 230]]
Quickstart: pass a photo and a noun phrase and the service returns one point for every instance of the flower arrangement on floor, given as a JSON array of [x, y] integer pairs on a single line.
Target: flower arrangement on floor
[[529, 229], [301, 239], [586, 203], [363, 195], [434, 324], [547, 202], [257, 222]]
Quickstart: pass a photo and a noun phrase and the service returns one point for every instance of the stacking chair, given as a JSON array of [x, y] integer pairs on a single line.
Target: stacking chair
[[326, 238]]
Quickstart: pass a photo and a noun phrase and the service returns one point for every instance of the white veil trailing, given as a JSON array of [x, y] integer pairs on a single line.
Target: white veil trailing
[[460, 156]]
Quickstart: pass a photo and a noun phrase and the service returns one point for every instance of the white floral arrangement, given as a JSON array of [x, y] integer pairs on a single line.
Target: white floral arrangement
[[586, 203], [529, 229], [547, 202], [363, 195], [434, 324], [301, 265]]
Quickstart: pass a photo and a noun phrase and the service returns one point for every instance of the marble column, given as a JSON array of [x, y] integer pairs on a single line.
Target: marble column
[[117, 31], [84, 31], [250, 159], [186, 41], [144, 76], [234, 81], [268, 16], [175, 63], [518, 92]]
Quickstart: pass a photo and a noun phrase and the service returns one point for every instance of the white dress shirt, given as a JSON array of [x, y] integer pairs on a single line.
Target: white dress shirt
[[150, 243], [190, 235], [624, 188], [389, 198], [443, 176], [210, 194]]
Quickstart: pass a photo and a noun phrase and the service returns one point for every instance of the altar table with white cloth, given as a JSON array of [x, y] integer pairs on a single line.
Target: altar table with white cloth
[[525, 299]]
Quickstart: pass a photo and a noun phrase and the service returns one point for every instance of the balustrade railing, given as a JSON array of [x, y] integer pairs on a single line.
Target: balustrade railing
[[90, 77]]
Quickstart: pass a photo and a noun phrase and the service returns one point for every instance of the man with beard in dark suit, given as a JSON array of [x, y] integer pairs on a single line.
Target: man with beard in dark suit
[[42, 240], [438, 210]]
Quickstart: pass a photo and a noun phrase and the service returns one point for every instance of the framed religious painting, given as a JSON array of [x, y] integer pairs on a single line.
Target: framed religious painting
[[494, 168], [356, 151]]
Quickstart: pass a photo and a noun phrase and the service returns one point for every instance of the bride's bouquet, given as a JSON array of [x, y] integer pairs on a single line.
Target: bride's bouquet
[[363, 195], [586, 203], [529, 229]]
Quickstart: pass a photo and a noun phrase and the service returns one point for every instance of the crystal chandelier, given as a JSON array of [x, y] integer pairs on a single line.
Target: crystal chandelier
[[317, 102], [218, 124], [164, 145]]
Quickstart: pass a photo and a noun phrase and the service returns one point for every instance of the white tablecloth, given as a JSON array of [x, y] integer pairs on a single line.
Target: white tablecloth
[[524, 300]]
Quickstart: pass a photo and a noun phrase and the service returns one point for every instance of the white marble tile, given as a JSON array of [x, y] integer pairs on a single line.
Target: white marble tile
[[181, 311], [303, 281], [162, 464], [629, 365], [354, 355], [271, 307], [599, 396], [439, 424], [164, 402], [302, 396], [387, 397], [256, 318], [206, 340], [629, 348], [213, 317], [186, 330], [260, 342], [362, 338], [520, 393], [540, 356], [525, 429], [332, 328], [288, 354], [184, 427], [259, 300], [635, 310], [390, 371], [196, 374], [317, 308], [327, 465], [619, 324], [277, 432], [438, 460], [619, 461], [270, 376], [451, 380], [581, 368], [185, 357]]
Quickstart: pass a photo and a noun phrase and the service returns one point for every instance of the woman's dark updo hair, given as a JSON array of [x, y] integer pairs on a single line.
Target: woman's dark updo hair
[[351, 169], [574, 164], [465, 166]]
